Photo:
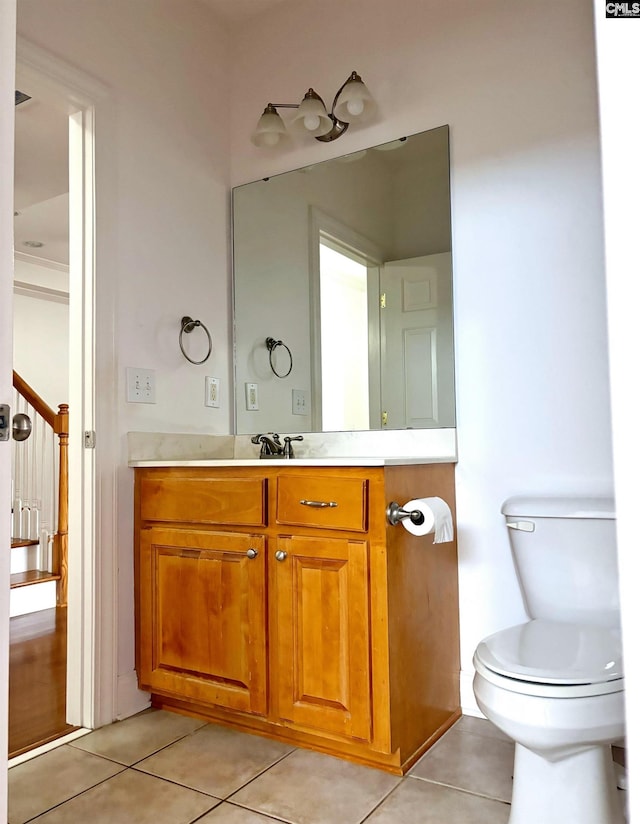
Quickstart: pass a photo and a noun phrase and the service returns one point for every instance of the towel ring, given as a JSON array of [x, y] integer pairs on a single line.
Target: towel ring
[[272, 344], [188, 325]]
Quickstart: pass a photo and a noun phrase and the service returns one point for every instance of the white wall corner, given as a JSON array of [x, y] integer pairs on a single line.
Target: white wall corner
[[130, 699], [467, 696]]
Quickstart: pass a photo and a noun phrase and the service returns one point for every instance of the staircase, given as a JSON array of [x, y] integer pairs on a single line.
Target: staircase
[[40, 512]]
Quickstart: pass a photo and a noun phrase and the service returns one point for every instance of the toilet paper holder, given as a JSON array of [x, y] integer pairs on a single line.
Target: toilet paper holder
[[396, 514]]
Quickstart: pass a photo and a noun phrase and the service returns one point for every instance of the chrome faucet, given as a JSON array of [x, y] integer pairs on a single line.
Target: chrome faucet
[[271, 447]]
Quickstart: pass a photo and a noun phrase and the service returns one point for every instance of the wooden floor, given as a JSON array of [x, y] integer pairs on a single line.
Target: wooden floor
[[37, 679]]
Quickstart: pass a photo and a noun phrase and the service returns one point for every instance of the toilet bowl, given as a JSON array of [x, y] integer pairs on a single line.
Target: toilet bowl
[[555, 684]]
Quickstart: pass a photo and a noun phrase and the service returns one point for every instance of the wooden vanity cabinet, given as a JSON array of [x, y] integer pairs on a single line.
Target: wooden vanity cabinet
[[278, 600]]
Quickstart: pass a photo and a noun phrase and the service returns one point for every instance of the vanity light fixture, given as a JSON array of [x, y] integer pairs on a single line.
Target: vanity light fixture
[[352, 103]]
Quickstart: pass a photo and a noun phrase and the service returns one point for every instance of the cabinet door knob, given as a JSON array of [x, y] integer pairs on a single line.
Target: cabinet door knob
[[252, 553], [280, 555]]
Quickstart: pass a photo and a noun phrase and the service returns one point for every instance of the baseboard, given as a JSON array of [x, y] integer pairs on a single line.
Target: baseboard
[[130, 699]]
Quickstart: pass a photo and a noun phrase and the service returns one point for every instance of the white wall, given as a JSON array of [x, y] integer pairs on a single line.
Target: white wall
[[516, 84], [41, 334]]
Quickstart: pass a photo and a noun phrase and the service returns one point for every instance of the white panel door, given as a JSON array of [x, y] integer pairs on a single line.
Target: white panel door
[[416, 343]]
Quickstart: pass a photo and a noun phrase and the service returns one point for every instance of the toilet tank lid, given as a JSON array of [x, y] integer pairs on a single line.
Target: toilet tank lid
[[566, 506]]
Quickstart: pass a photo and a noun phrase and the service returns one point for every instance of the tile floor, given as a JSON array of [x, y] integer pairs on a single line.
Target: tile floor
[[162, 768]]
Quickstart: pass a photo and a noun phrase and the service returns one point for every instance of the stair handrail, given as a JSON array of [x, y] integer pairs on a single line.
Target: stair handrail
[[31, 396], [59, 422]]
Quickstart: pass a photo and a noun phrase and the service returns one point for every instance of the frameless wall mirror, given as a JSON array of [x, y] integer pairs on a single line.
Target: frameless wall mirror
[[347, 263]]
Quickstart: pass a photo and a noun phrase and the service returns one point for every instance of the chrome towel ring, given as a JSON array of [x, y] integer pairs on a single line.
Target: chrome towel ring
[[188, 325], [272, 344]]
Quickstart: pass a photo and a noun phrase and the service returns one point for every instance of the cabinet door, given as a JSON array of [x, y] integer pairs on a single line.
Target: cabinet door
[[202, 622], [322, 634]]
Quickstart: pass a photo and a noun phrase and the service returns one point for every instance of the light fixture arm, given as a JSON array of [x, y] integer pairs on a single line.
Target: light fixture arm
[[339, 126]]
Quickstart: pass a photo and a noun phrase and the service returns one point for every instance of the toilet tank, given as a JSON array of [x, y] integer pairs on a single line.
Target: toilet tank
[[564, 549]]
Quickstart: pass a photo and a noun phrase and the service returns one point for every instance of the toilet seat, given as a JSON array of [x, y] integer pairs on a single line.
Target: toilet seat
[[554, 659]]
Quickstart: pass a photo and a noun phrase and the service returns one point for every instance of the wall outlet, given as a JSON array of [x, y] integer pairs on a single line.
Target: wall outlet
[[251, 396], [141, 385], [212, 392], [299, 402]]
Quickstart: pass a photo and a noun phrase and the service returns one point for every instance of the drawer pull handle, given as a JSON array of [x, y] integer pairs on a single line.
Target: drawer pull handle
[[252, 553], [281, 555], [318, 504]]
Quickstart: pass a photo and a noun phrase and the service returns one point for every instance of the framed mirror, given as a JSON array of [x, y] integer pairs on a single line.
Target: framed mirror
[[343, 293]]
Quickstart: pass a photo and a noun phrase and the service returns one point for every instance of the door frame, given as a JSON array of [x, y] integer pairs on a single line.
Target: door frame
[[91, 611], [323, 227], [7, 135]]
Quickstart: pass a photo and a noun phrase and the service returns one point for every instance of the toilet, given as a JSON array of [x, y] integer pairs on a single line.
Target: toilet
[[555, 684]]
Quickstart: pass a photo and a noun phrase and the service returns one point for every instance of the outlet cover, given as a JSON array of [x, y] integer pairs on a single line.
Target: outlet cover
[[212, 392], [251, 396], [141, 385]]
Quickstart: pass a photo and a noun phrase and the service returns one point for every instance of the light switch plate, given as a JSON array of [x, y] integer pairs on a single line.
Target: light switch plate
[[212, 392], [299, 403], [141, 385]]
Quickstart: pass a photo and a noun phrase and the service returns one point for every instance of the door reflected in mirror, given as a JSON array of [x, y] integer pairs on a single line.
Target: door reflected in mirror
[[348, 263]]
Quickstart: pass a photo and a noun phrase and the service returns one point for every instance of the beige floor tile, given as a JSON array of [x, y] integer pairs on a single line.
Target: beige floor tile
[[471, 762], [137, 737], [479, 726], [420, 802], [215, 760], [132, 798], [50, 779], [228, 814], [311, 788]]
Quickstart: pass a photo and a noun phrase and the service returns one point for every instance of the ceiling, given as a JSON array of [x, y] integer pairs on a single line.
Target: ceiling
[[41, 182], [237, 11], [42, 163]]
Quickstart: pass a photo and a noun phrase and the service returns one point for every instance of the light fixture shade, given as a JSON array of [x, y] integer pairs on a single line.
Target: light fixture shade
[[354, 101], [270, 129], [311, 116]]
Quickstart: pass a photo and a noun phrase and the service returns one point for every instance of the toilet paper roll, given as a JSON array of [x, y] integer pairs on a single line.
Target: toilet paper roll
[[437, 519]]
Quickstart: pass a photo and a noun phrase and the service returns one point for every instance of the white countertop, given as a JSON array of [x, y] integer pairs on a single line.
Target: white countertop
[[399, 447], [279, 462]]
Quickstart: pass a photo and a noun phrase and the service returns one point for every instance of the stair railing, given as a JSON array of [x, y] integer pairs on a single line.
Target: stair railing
[[35, 469]]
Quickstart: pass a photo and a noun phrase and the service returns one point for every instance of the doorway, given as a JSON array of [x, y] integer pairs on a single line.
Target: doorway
[[55, 85], [344, 328], [38, 603], [344, 286]]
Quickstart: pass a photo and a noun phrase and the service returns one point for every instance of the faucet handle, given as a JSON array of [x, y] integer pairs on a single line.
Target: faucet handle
[[260, 438], [288, 449]]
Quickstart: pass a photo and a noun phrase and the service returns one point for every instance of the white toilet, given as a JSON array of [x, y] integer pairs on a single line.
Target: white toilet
[[555, 684]]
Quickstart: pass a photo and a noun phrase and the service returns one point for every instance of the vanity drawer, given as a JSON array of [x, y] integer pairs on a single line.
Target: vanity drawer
[[321, 501], [240, 501]]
